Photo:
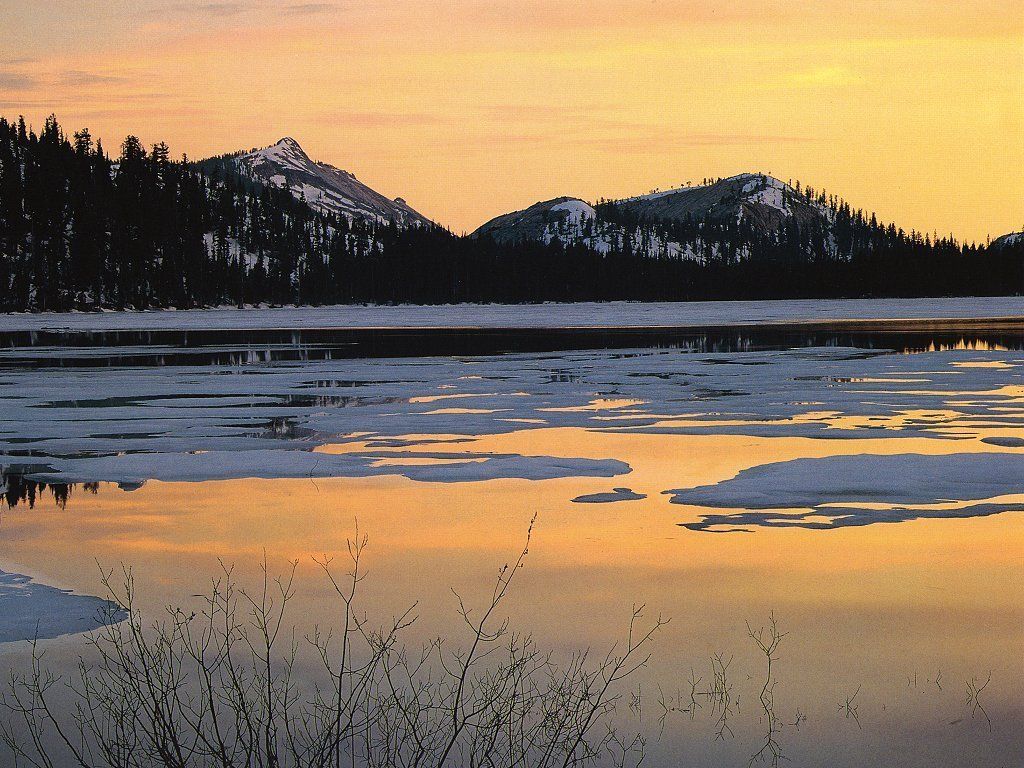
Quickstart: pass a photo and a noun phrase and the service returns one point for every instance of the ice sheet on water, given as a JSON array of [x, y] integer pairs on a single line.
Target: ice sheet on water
[[222, 465], [610, 497], [842, 491], [30, 610], [262, 420], [584, 314]]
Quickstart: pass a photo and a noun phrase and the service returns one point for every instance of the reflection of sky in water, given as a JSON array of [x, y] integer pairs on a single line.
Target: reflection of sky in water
[[870, 606], [443, 461]]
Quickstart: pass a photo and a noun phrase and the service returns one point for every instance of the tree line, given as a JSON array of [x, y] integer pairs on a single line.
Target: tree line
[[83, 229]]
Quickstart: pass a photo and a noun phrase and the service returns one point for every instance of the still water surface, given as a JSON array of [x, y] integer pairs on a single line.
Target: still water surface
[[869, 499]]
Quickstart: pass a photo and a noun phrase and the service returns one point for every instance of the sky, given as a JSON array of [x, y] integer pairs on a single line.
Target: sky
[[471, 108]]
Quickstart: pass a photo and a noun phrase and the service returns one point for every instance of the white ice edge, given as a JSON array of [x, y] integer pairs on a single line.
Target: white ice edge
[[580, 315]]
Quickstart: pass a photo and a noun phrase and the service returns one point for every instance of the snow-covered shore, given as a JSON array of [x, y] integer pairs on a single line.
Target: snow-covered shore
[[581, 315]]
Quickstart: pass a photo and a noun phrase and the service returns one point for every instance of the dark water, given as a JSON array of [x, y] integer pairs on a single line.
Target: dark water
[[65, 348]]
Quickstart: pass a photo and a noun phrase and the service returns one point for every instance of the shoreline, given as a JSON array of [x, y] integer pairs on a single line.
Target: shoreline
[[676, 316]]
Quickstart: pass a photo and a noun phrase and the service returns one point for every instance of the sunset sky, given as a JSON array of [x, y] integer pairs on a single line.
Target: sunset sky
[[471, 108]]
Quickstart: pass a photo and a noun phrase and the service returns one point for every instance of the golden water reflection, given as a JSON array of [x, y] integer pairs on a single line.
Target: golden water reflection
[[884, 607]]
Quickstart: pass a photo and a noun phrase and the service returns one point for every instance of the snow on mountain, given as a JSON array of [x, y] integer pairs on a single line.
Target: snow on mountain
[[762, 202], [572, 221], [539, 219], [1009, 240], [577, 210], [286, 165]]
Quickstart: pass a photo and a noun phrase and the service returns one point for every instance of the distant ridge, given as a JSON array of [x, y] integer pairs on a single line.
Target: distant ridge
[[761, 202], [750, 216]]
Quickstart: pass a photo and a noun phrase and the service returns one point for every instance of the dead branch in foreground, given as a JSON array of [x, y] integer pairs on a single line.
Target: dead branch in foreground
[[232, 685]]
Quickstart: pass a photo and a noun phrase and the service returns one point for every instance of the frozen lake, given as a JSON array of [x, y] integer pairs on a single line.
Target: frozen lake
[[854, 468], [613, 314]]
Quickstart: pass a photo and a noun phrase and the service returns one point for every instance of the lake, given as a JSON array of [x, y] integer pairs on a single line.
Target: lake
[[855, 475]]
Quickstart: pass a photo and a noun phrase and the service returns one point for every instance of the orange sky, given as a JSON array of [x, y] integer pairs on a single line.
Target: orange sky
[[470, 108]]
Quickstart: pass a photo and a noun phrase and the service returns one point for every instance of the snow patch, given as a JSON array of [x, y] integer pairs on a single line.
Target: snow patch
[[30, 610], [773, 197], [842, 491], [577, 209]]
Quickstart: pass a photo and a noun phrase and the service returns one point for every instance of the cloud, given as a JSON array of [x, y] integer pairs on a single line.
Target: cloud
[[25, 103], [122, 113], [233, 8], [662, 142], [224, 9], [585, 127], [81, 78], [16, 81], [539, 113], [217, 10], [381, 119], [310, 9]]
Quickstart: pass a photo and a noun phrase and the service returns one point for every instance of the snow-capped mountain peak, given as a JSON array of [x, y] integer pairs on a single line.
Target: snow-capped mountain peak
[[287, 151], [285, 164], [755, 201]]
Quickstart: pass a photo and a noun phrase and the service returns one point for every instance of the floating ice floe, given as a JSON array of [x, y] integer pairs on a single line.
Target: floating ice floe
[[33, 611], [264, 419], [616, 494], [842, 491], [130, 470]]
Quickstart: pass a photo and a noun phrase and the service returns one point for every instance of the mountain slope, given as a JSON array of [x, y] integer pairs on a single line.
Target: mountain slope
[[538, 221], [1011, 240], [761, 203], [324, 187], [571, 221]]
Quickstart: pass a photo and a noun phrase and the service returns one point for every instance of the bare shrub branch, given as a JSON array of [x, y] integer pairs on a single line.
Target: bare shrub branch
[[232, 684]]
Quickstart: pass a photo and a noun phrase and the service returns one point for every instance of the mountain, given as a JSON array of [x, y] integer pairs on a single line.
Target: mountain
[[714, 221], [538, 222], [322, 186], [762, 203], [81, 229], [1011, 240], [570, 221]]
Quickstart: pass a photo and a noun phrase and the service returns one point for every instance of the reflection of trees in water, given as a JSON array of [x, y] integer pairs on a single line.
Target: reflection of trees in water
[[17, 489], [168, 347]]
